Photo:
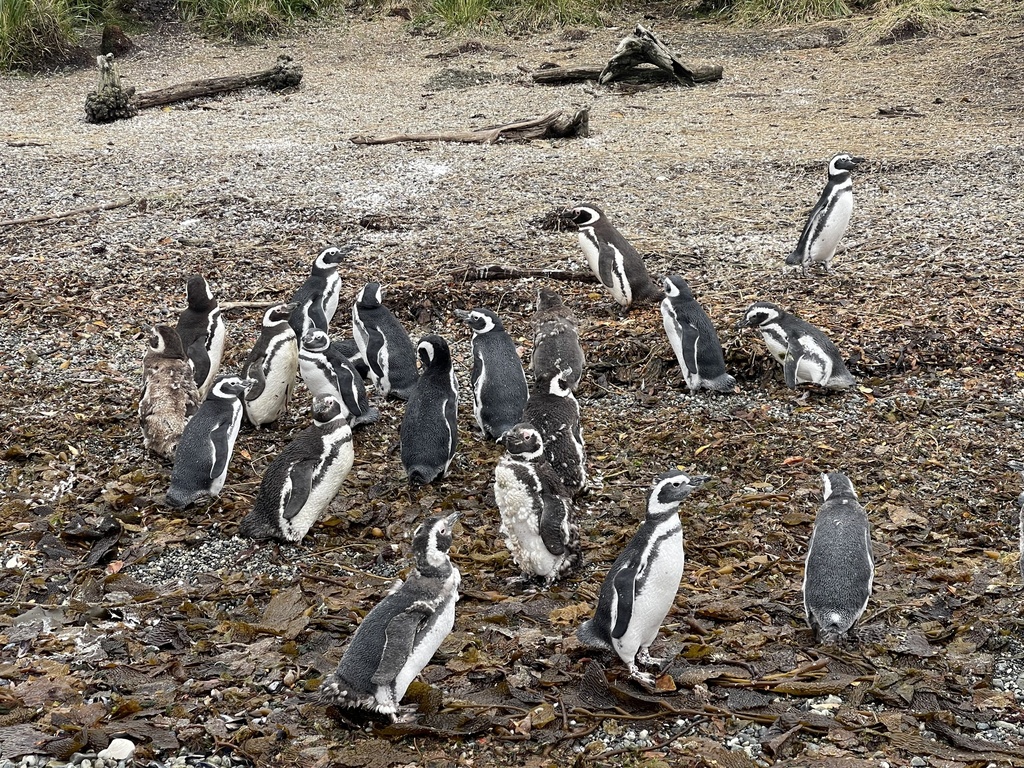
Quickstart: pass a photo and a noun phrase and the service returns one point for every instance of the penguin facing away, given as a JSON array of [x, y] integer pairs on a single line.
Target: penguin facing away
[[383, 344], [556, 340], [272, 364], [612, 259], [807, 355], [350, 349], [316, 300], [555, 413], [202, 331], [169, 394], [429, 434], [693, 339], [304, 478], [830, 217], [538, 519], [329, 373], [839, 568], [399, 636], [642, 583], [204, 451], [1019, 466], [499, 382]]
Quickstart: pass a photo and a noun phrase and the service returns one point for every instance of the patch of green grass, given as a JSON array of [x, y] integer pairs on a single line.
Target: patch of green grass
[[901, 19], [788, 11], [250, 19], [34, 31], [511, 14]]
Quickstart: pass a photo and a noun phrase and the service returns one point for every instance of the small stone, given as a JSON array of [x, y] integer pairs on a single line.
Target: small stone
[[917, 762], [118, 749], [87, 763]]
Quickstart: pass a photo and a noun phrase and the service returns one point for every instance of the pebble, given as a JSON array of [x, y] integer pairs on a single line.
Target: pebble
[[918, 761]]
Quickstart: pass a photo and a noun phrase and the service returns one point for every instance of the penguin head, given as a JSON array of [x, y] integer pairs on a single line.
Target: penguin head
[[432, 350], [523, 442], [164, 340], [315, 340], [584, 215], [759, 313], [548, 299], [228, 387], [325, 410], [842, 163], [671, 488], [836, 485], [371, 296], [431, 541], [481, 320], [199, 295], [278, 314], [676, 286], [330, 258]]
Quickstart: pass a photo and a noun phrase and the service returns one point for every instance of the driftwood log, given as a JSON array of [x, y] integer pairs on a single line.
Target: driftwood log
[[502, 272], [639, 48], [554, 125], [112, 102]]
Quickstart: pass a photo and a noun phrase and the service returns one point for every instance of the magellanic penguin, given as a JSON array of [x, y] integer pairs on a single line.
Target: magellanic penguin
[[839, 568], [693, 339], [202, 333], [204, 451], [807, 355], [350, 349], [499, 382], [642, 583], [538, 519], [169, 395], [272, 364], [399, 636], [429, 433], [329, 373], [612, 259], [829, 218], [316, 301], [304, 478], [1019, 466], [556, 340], [555, 413], [384, 344]]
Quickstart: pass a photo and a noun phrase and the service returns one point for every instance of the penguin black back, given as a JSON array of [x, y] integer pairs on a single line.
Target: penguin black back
[[384, 344], [556, 340], [201, 329], [429, 433], [499, 383], [693, 339]]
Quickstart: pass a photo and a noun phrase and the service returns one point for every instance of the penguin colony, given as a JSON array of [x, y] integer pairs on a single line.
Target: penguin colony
[[192, 417]]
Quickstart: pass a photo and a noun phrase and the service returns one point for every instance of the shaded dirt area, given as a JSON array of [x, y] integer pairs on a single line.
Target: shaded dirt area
[[123, 617]]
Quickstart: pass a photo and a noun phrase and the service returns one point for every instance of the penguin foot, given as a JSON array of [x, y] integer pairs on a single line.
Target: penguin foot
[[645, 678], [644, 657]]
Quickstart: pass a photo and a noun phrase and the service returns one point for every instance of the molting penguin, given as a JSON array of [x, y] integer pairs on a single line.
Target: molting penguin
[[556, 340], [384, 344], [316, 301], [693, 339], [272, 364], [499, 382], [642, 583], [399, 636], [329, 373], [807, 355], [169, 395], [537, 515], [304, 478], [839, 568], [429, 433], [612, 259], [829, 218], [202, 333], [204, 451], [555, 413]]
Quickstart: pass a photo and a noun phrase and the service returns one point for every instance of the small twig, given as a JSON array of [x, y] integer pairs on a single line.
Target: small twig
[[229, 305], [68, 214]]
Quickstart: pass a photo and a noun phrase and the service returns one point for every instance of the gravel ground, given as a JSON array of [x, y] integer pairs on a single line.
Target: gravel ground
[[711, 182]]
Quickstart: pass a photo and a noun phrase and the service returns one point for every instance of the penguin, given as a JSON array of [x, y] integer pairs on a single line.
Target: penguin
[[612, 259], [316, 301], [400, 634], [1019, 466], [538, 519], [169, 394], [428, 433], [807, 355], [383, 344], [556, 340], [204, 451], [304, 478], [839, 567], [272, 364], [328, 372], [829, 218], [350, 349], [693, 339], [499, 381], [555, 413], [642, 583], [202, 332]]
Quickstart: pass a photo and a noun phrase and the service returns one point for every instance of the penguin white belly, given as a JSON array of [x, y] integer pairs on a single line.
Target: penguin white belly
[[588, 242], [326, 488], [835, 221], [519, 506], [318, 376], [426, 644], [775, 340], [620, 288], [385, 377], [215, 349], [478, 395], [279, 368], [217, 483], [331, 294], [654, 600]]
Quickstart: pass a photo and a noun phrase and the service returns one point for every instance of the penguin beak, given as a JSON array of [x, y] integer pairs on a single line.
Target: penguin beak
[[462, 314], [699, 480], [452, 519], [291, 305]]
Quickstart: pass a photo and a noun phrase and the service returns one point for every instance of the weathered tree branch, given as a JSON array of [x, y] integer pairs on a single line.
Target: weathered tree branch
[[554, 125], [284, 74], [503, 272], [68, 214]]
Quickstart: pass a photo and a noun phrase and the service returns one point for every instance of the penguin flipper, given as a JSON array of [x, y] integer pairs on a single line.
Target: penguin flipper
[[300, 476], [398, 641], [374, 350], [254, 370], [790, 366], [689, 337], [625, 584], [552, 519], [218, 441], [199, 356], [797, 256]]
